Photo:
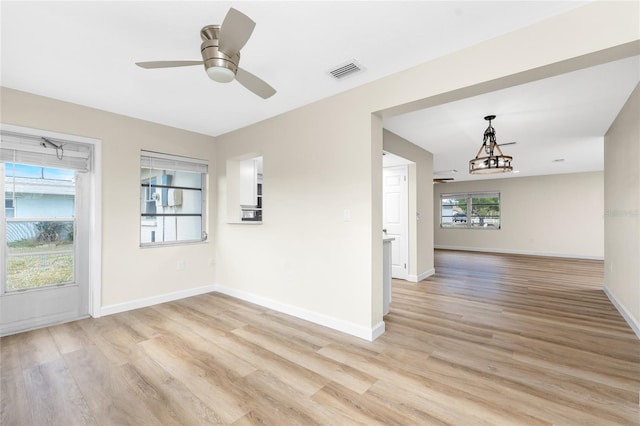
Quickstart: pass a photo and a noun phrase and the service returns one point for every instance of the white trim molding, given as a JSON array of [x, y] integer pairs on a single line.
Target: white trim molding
[[633, 323], [522, 252], [369, 334], [155, 300], [377, 331], [421, 276], [95, 249], [356, 330]]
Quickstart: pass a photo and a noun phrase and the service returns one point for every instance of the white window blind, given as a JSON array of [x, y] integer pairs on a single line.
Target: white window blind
[[34, 151], [158, 161]]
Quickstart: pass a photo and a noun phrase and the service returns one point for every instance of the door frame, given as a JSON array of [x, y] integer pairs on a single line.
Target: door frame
[[94, 286]]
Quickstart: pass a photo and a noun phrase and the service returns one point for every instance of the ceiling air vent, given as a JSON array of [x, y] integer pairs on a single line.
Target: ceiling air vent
[[345, 70]]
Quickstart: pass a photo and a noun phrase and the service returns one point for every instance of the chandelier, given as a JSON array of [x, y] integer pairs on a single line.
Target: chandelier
[[490, 163]]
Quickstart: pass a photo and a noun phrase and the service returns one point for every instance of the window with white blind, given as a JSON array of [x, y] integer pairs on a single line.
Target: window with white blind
[[478, 210], [39, 181], [172, 199]]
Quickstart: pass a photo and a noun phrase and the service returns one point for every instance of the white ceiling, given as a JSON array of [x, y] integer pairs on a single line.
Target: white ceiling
[[84, 52], [559, 118]]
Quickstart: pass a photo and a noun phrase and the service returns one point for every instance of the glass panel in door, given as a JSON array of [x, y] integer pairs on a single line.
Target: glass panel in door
[[39, 228]]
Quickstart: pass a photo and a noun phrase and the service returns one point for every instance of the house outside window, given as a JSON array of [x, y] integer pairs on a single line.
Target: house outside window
[[9, 208], [470, 211], [172, 199]]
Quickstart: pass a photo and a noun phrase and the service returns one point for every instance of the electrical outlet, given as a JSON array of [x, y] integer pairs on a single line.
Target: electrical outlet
[[180, 265]]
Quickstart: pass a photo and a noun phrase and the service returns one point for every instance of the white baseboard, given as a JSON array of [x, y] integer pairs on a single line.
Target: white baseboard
[[522, 252], [154, 300], [356, 330], [633, 323], [422, 276], [377, 331]]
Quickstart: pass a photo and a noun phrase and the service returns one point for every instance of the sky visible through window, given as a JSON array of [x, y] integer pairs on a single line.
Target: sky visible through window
[[37, 172]]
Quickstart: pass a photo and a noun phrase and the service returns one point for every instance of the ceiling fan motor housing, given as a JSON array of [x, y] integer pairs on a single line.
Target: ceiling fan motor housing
[[215, 58]]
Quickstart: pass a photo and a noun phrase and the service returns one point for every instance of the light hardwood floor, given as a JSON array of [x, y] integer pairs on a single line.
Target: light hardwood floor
[[490, 339]]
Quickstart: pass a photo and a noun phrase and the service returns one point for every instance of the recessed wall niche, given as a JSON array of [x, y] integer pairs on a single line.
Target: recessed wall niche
[[244, 189]]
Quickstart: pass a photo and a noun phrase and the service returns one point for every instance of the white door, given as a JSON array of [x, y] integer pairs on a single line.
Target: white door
[[396, 218], [44, 260]]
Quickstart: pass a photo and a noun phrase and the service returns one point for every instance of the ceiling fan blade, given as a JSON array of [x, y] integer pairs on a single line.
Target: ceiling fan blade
[[255, 84], [235, 32], [167, 64]]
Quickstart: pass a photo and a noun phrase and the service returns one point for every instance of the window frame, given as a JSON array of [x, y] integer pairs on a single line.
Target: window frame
[[172, 163], [469, 222]]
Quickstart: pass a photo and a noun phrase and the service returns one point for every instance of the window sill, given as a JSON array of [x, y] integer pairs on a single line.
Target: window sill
[[474, 228], [172, 244]]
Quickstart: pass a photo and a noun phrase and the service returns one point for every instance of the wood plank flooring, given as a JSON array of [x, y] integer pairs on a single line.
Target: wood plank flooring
[[490, 339]]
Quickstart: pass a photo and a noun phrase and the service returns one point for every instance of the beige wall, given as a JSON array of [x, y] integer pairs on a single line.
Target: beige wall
[[556, 215], [317, 163], [622, 213], [129, 273], [420, 202]]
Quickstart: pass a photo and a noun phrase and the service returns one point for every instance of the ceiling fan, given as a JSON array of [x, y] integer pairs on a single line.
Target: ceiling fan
[[220, 50], [442, 180]]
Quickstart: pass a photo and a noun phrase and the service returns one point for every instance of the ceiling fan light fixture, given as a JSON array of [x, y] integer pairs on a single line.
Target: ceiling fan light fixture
[[492, 162], [221, 74], [220, 67]]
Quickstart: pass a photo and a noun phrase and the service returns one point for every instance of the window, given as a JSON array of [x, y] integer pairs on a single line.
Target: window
[[39, 225], [473, 210], [39, 220], [172, 199]]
